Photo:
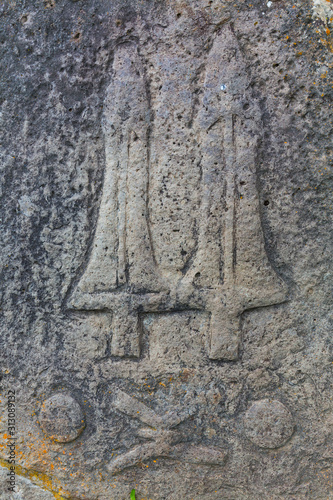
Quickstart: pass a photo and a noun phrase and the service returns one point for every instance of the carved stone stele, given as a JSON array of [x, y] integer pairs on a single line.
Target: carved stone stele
[[166, 241]]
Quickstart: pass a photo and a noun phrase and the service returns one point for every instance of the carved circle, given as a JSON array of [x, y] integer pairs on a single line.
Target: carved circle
[[61, 418], [268, 424]]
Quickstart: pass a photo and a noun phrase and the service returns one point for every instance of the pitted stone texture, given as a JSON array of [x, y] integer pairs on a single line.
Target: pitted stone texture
[[61, 418], [268, 424]]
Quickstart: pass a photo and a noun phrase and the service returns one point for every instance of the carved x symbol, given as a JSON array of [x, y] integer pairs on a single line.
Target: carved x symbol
[[163, 439]]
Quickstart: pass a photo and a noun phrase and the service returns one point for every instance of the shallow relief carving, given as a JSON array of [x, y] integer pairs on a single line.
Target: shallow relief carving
[[61, 418], [162, 437], [162, 431], [268, 424], [141, 305], [230, 271]]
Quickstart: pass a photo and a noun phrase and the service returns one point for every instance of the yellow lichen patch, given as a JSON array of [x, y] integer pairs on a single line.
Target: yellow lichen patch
[[42, 480], [322, 10], [327, 43], [34, 451]]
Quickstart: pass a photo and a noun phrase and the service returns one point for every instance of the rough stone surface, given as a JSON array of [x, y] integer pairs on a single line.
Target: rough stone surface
[[166, 239]]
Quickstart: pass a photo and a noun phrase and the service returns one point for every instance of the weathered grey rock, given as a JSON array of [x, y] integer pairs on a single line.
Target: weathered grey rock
[[166, 237]]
